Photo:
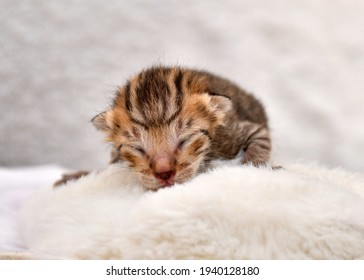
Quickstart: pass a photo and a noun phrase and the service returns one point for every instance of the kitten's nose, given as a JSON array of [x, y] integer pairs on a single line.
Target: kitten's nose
[[165, 175], [163, 168]]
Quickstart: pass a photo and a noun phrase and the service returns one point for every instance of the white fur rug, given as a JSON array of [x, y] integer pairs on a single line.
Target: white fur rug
[[231, 212]]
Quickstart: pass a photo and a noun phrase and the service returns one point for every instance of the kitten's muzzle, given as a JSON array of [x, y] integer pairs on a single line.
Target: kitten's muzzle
[[164, 170]]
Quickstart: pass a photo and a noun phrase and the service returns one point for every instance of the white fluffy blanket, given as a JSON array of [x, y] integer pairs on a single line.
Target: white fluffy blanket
[[231, 212]]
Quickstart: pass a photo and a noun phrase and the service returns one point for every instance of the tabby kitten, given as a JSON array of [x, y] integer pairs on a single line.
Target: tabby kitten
[[167, 123]]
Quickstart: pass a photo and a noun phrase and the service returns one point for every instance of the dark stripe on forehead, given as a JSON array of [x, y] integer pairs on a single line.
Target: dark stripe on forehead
[[164, 94], [135, 121], [141, 91], [143, 82], [174, 116], [165, 72], [153, 89], [179, 91], [128, 103]]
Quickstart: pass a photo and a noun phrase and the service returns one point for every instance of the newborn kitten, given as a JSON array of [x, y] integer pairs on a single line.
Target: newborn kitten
[[167, 123]]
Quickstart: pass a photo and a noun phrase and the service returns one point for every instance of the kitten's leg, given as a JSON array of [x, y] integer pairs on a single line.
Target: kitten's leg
[[70, 177], [115, 157], [256, 144]]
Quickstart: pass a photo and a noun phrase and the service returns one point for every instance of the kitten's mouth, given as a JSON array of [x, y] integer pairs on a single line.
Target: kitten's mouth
[[167, 183]]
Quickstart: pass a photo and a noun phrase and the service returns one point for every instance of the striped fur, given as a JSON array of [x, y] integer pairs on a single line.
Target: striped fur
[[178, 119]]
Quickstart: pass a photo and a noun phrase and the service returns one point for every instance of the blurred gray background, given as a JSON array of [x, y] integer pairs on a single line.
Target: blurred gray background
[[60, 62]]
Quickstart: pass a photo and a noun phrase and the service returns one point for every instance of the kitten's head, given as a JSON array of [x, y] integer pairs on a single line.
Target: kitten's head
[[162, 122]]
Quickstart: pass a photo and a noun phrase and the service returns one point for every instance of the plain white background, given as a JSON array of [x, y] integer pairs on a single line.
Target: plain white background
[[61, 61]]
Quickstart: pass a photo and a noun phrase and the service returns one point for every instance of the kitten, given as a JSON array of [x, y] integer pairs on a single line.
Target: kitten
[[167, 123]]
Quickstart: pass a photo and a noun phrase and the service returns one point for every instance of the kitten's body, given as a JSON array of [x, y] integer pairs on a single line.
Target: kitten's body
[[167, 123], [246, 124]]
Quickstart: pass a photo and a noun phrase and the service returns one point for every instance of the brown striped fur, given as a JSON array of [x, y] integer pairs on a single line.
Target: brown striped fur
[[168, 122]]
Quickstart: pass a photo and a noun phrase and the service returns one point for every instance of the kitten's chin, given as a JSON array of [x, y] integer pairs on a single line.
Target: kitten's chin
[[151, 183], [148, 185]]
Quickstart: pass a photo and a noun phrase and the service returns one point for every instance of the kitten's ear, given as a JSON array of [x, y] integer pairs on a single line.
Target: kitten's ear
[[99, 121], [220, 102]]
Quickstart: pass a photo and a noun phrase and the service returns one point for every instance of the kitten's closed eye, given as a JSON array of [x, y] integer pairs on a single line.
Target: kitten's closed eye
[[181, 144], [139, 149]]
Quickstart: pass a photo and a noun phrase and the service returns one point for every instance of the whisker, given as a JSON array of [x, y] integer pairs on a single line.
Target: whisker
[[133, 171], [123, 172], [125, 168]]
